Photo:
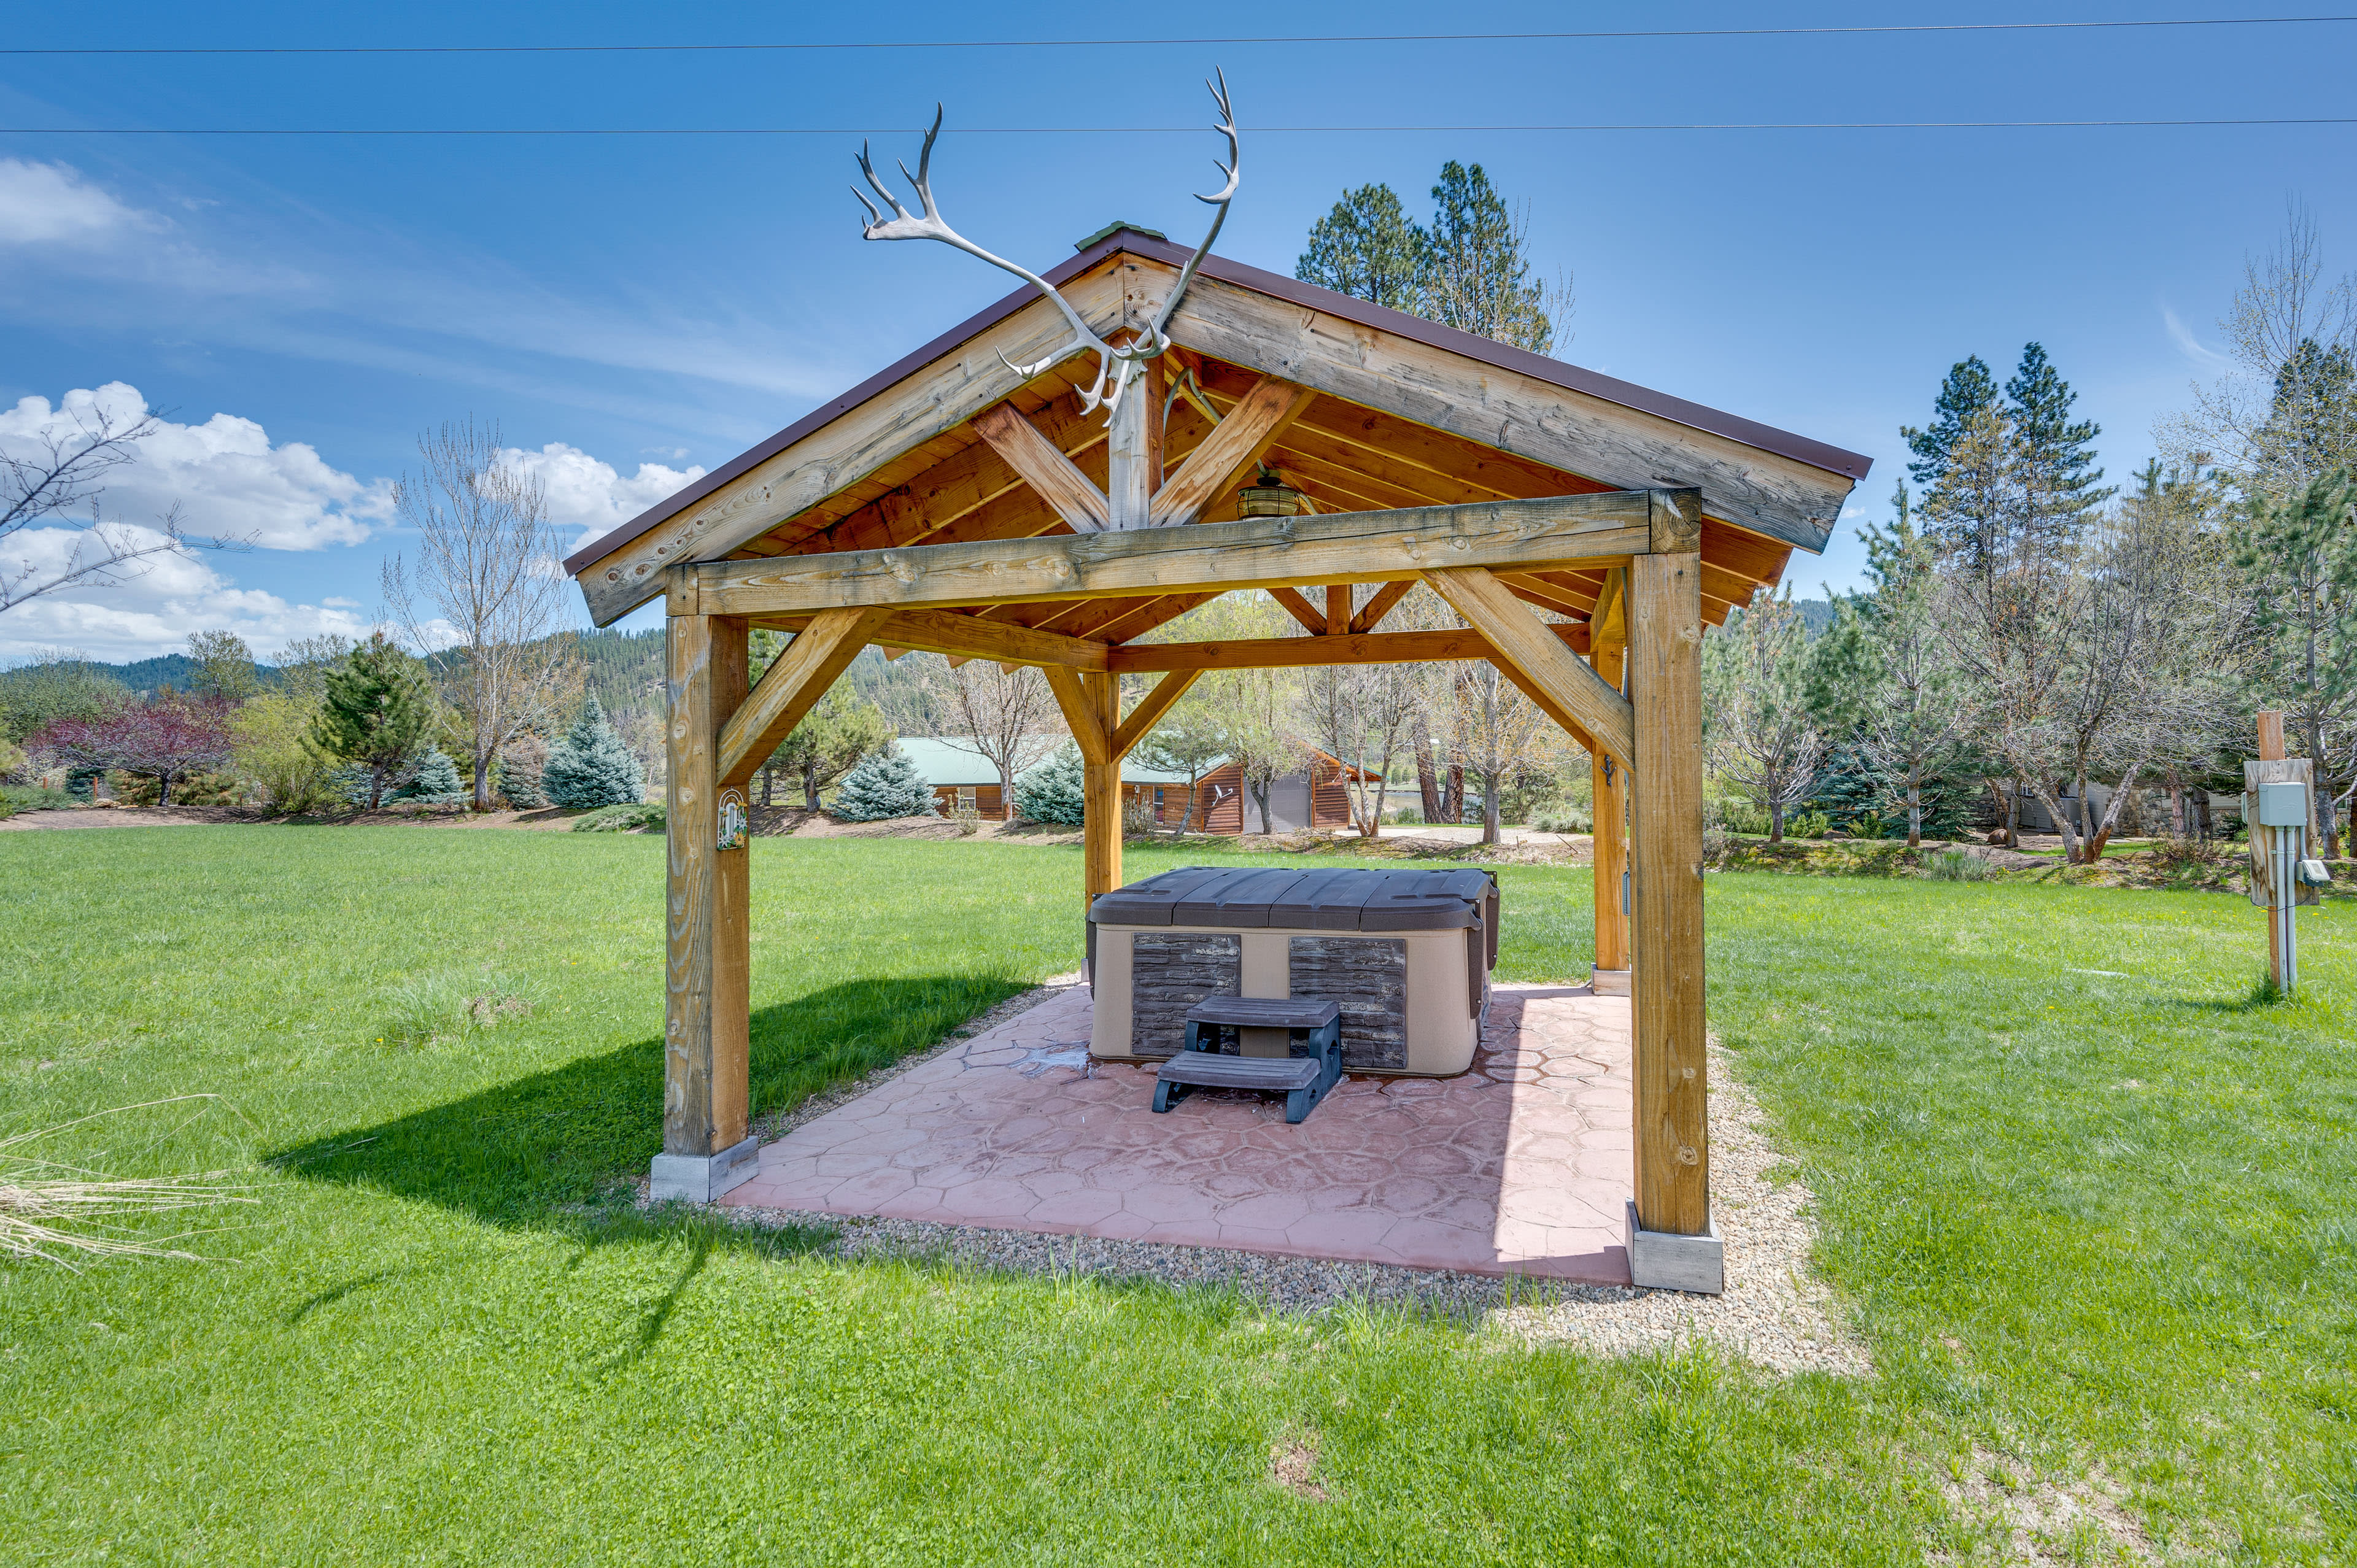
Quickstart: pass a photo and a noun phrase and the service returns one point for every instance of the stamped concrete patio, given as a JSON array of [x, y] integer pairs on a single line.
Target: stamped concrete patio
[[1520, 1165]]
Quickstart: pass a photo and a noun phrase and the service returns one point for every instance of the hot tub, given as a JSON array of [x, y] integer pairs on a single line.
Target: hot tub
[[1406, 953]]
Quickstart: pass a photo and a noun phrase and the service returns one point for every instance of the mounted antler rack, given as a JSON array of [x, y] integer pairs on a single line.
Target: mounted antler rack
[[1119, 365]]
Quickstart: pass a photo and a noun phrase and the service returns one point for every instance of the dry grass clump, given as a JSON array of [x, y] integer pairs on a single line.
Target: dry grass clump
[[57, 1212]]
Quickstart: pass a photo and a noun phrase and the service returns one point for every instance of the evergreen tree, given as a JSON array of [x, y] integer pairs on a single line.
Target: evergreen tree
[[838, 733], [2058, 455], [884, 785], [1968, 390], [1055, 791], [1470, 269], [1478, 276], [591, 767], [375, 714], [521, 762], [1369, 247], [2311, 425], [435, 782]]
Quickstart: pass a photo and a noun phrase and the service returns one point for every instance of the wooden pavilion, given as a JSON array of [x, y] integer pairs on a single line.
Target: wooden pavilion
[[1586, 531]]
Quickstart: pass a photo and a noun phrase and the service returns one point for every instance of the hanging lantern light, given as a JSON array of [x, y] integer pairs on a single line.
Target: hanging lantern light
[[1268, 495]]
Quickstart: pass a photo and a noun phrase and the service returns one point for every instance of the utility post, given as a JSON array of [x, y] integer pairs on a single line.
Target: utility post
[[2277, 807]]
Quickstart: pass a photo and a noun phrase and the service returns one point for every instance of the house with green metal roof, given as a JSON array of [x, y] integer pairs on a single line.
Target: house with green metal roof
[[1314, 797]]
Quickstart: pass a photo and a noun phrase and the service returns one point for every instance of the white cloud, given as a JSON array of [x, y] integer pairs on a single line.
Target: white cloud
[[587, 494], [53, 204], [224, 474], [154, 611], [2191, 347]]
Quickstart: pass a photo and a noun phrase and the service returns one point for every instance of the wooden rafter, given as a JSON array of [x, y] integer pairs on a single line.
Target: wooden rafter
[[1072, 495], [1240, 437]]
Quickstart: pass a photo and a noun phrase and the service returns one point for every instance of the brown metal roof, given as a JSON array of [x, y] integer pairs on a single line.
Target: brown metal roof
[[1768, 438]]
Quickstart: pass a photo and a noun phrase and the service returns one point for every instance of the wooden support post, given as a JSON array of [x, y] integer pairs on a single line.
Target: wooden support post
[[1673, 1151], [707, 958], [1130, 459], [1338, 610], [1100, 791], [1607, 655]]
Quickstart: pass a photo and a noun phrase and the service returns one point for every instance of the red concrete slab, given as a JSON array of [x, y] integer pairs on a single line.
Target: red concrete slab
[[1518, 1166]]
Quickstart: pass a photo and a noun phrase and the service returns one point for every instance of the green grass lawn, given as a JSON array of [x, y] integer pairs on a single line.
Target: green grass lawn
[[2096, 1226]]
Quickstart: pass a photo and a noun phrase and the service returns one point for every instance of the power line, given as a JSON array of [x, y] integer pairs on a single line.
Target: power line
[[1590, 35], [1153, 130]]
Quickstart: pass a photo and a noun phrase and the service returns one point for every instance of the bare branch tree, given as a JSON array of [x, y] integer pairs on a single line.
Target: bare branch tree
[[1004, 712], [63, 477], [1362, 715], [487, 560]]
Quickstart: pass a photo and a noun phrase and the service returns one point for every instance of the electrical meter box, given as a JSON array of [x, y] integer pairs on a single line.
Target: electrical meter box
[[2283, 805]]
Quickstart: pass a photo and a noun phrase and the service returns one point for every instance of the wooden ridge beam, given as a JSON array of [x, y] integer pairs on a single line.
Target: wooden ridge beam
[[1058, 479], [793, 684], [1526, 643], [1254, 552], [1150, 709]]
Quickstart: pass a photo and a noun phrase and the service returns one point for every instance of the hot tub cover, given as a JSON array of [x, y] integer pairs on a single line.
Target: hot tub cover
[[1327, 900]]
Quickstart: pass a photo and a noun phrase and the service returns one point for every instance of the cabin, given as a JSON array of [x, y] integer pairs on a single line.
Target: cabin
[[1314, 796], [1050, 480]]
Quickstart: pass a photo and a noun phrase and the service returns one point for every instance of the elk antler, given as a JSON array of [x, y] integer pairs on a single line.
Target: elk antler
[[1119, 364]]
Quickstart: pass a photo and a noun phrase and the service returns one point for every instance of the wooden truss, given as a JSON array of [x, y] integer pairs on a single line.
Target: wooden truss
[[1634, 701]]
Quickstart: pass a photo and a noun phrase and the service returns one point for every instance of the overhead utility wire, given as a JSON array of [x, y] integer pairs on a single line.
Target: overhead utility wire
[[1235, 39], [1152, 130]]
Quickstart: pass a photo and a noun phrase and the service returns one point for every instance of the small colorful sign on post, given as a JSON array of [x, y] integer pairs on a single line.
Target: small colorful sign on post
[[733, 818]]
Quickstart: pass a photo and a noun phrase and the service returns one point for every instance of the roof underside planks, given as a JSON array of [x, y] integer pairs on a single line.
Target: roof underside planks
[[903, 465]]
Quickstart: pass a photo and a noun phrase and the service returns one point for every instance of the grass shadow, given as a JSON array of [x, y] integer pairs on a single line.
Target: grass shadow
[[561, 1148]]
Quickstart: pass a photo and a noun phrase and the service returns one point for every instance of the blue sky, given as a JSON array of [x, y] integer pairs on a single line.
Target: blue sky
[[631, 308]]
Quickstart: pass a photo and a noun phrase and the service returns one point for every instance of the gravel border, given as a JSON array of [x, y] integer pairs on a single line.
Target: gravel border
[[1775, 1313]]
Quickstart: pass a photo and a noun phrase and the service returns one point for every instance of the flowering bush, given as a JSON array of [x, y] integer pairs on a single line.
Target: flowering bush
[[167, 740]]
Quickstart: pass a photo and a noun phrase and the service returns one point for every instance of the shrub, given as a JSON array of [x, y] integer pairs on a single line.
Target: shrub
[[884, 785], [34, 798], [1869, 824], [1137, 818], [591, 767], [270, 743], [167, 740], [435, 782], [1807, 825], [1958, 865], [968, 817], [1743, 817], [1565, 819], [622, 819], [1054, 792]]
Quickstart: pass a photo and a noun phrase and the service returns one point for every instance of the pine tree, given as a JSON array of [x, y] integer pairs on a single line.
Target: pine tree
[[2058, 456], [591, 767], [435, 782], [1055, 791], [1968, 390], [884, 785], [1478, 277], [375, 712], [1369, 247], [521, 762]]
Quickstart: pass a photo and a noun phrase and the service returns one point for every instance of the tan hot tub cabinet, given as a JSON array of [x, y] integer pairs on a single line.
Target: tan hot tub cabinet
[[1406, 953]]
